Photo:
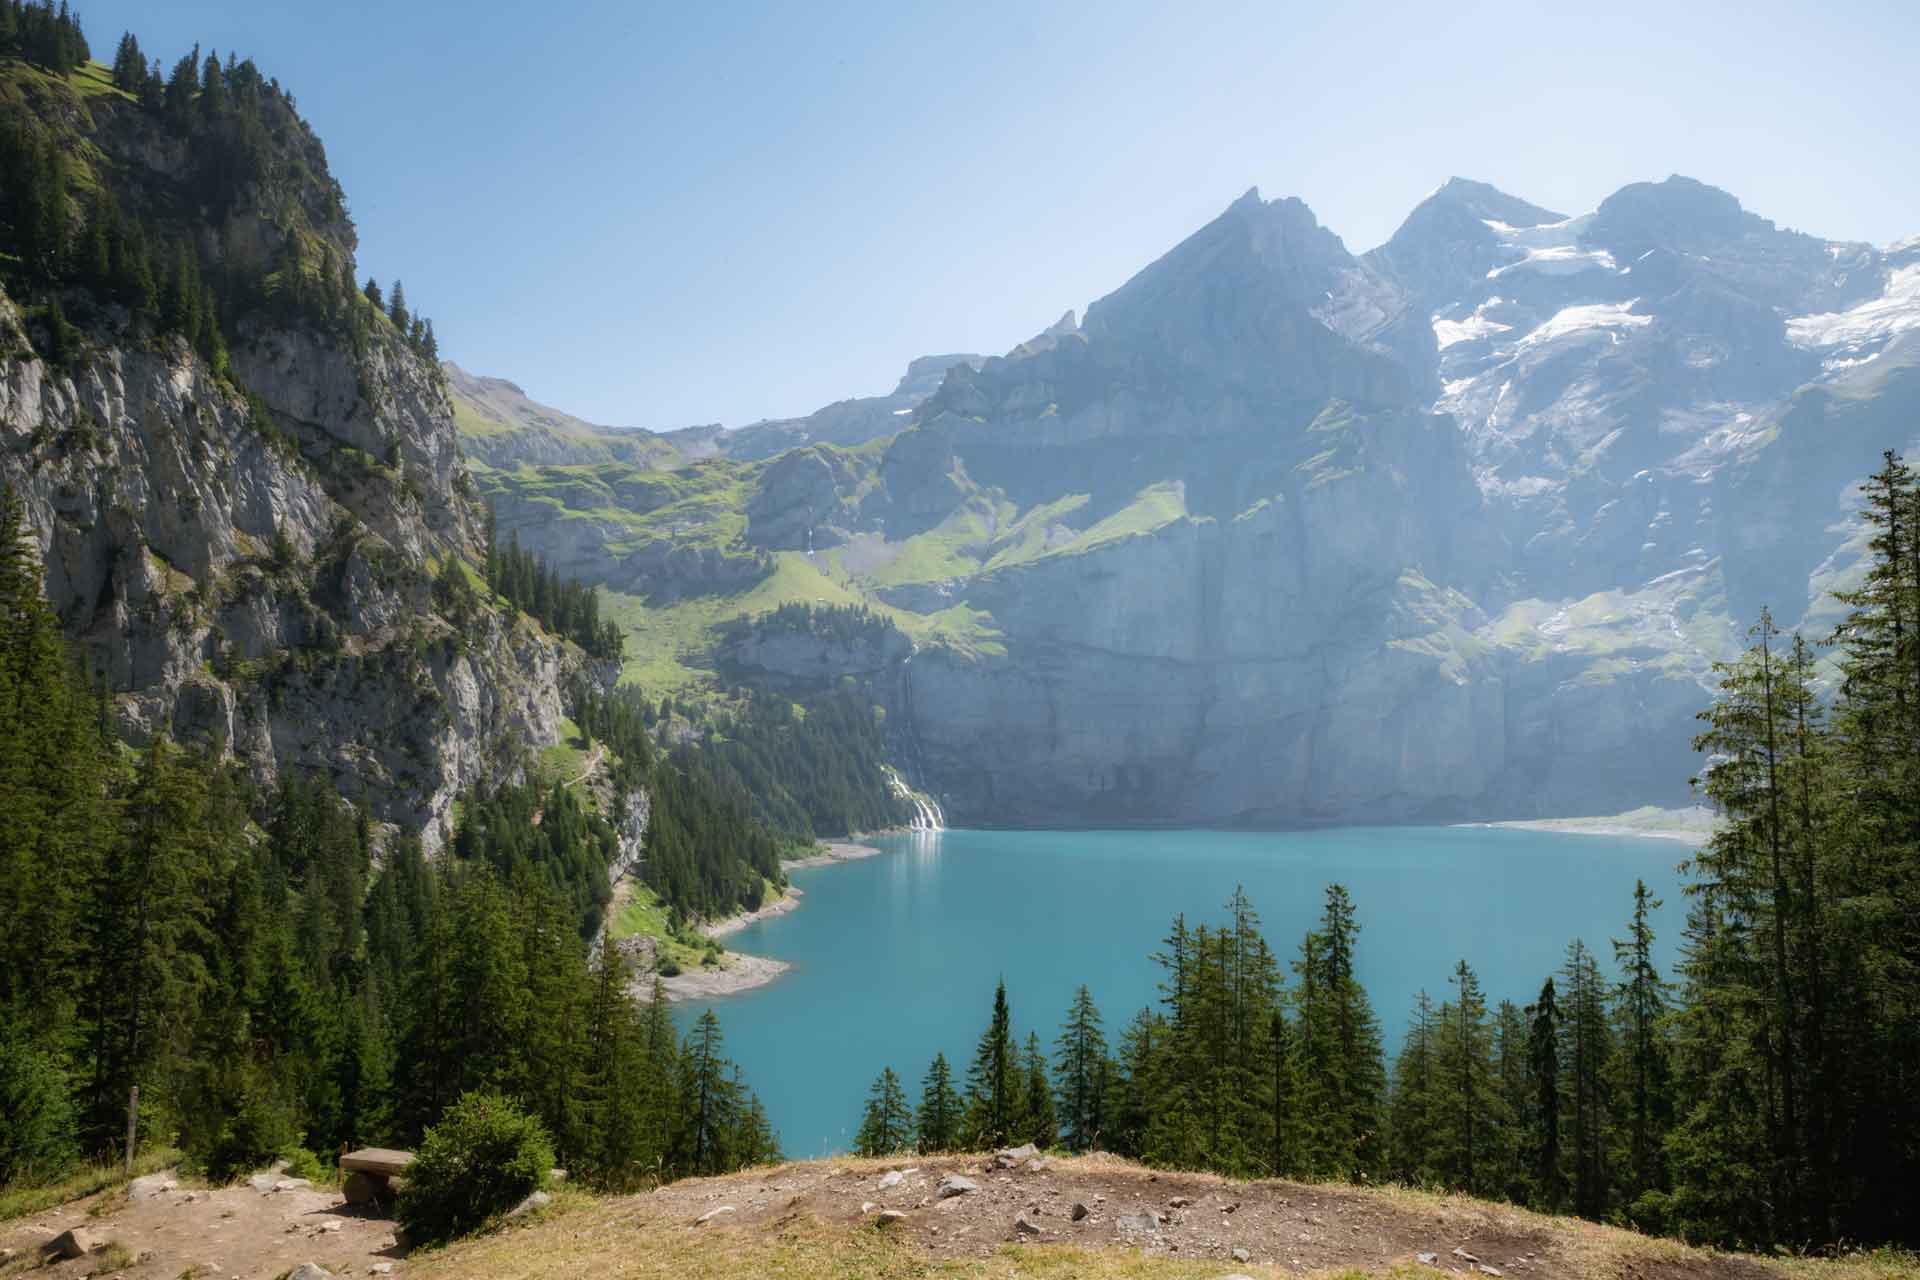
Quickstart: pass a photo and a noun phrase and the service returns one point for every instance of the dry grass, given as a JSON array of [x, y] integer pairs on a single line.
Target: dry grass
[[18, 1202]]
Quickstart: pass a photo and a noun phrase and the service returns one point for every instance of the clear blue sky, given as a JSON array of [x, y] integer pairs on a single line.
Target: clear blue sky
[[655, 215]]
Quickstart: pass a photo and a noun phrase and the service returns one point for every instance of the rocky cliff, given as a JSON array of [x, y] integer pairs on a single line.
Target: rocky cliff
[[272, 550]]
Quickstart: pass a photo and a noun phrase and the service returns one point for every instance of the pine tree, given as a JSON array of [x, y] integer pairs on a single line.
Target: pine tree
[[1413, 1109], [937, 1124], [1080, 1059], [887, 1125], [1586, 1045], [1641, 1075], [993, 1080], [1470, 1108], [1038, 1124], [1543, 1057]]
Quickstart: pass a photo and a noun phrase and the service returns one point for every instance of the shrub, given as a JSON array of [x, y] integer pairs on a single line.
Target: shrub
[[484, 1157], [36, 1111]]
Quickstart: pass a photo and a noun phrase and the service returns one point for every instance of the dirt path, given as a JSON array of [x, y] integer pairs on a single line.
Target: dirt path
[[240, 1231]]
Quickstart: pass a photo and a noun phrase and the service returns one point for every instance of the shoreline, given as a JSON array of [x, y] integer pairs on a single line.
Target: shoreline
[[833, 851], [1689, 826], [742, 970]]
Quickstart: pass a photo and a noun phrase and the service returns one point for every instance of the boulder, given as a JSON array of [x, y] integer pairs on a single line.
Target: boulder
[[151, 1186], [888, 1181], [1015, 1155], [77, 1243], [309, 1271], [1137, 1222], [1426, 1259], [1039, 1164], [890, 1216], [535, 1200], [955, 1185], [1242, 1255], [292, 1184], [262, 1182], [1180, 1202], [1079, 1212], [711, 1214], [361, 1188], [1025, 1228]]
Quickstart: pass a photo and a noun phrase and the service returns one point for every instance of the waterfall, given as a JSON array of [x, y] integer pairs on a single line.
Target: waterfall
[[916, 786]]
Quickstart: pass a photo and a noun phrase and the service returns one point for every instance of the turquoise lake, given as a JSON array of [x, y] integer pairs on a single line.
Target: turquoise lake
[[895, 957]]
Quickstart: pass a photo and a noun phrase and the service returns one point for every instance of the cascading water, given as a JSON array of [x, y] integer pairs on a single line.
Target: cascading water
[[927, 813]]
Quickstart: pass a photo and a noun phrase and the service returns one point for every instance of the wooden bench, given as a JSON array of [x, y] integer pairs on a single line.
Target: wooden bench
[[371, 1173]]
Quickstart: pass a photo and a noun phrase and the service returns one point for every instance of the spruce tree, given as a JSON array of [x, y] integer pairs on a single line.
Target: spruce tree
[[887, 1125], [993, 1080], [937, 1123], [1080, 1057]]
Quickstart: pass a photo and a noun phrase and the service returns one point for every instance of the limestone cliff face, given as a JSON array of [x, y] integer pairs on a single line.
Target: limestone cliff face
[[263, 574]]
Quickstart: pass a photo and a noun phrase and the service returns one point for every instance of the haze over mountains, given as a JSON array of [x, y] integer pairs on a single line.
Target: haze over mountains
[[1278, 533]]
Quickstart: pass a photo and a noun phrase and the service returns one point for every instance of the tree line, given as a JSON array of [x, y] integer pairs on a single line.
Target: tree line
[[563, 605], [276, 983]]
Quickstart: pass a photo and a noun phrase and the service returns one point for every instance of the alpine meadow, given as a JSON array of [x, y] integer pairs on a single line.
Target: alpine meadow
[[1350, 764]]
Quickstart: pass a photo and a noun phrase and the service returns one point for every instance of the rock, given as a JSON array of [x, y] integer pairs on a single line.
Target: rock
[[1022, 1227], [1137, 1222], [380, 1269], [867, 1206], [1236, 1276], [77, 1243], [360, 1188], [1012, 1156], [540, 1200], [1486, 1270], [309, 1271], [1426, 1259], [955, 1185], [293, 1184], [1242, 1255], [888, 1181], [558, 1175], [279, 1166], [890, 1216], [1180, 1202], [1039, 1164], [1463, 1255], [1079, 1212], [711, 1214], [154, 1184], [262, 1182]]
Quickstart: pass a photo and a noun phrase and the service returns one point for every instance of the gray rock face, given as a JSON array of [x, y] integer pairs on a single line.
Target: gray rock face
[[267, 580], [954, 1185]]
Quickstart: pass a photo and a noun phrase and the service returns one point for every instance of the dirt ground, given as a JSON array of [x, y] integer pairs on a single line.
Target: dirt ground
[[238, 1231], [1279, 1227]]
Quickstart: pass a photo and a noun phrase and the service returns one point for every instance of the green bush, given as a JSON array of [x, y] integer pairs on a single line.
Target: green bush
[[484, 1157], [36, 1111]]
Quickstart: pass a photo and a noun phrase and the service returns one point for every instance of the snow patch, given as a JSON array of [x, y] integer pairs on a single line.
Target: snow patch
[[1476, 326], [1895, 311], [1552, 249], [1596, 316]]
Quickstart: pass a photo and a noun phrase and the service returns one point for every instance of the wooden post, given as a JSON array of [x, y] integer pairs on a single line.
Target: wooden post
[[133, 1124]]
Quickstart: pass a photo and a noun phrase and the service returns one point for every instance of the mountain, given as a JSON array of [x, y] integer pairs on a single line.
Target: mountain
[[1455, 528], [244, 476], [501, 426]]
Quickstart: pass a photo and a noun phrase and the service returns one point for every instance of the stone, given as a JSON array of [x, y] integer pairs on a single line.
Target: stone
[[1426, 1259], [888, 1181], [1012, 1156], [361, 1188], [77, 1243], [711, 1214], [1022, 1227], [309, 1271], [1039, 1164], [1486, 1270], [867, 1206], [539, 1200], [1463, 1255], [955, 1185], [1137, 1222], [1242, 1255], [292, 1184], [890, 1216], [380, 1269], [1180, 1202], [1079, 1212], [262, 1182], [154, 1184]]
